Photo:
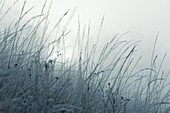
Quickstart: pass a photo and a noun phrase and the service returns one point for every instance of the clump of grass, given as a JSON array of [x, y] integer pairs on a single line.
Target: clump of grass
[[91, 82]]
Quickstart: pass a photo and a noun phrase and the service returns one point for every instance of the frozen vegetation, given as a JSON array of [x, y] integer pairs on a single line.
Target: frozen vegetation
[[92, 81]]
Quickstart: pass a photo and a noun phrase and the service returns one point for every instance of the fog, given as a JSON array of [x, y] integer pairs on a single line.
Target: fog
[[61, 56], [142, 18]]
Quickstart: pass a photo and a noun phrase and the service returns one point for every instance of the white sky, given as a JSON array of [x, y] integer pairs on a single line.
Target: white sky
[[143, 18]]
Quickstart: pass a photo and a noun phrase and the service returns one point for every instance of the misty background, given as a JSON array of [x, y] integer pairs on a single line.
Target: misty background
[[142, 18]]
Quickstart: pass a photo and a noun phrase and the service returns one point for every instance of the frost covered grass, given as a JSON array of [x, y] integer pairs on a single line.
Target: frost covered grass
[[93, 81]]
